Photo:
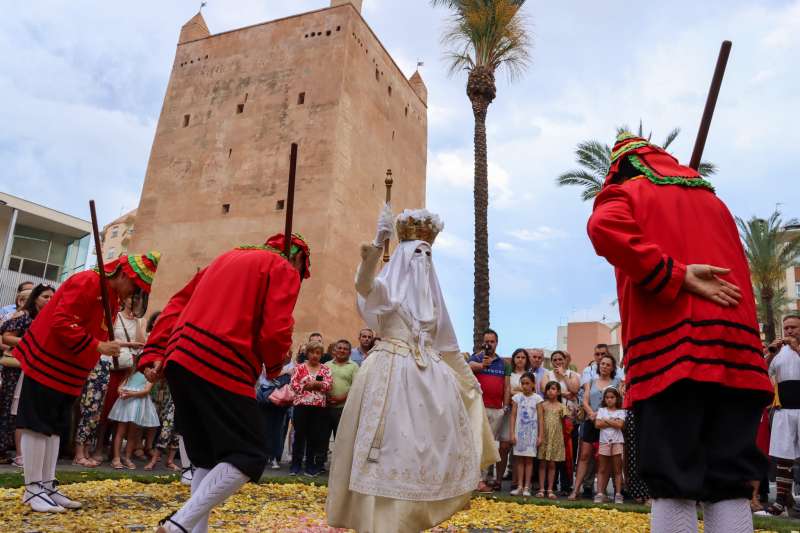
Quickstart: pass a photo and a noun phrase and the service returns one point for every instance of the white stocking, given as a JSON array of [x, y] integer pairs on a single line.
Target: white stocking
[[217, 486], [197, 479], [673, 516], [728, 516], [34, 449], [50, 458]]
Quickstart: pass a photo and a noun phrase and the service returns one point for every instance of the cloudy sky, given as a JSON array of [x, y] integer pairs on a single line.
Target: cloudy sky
[[82, 82]]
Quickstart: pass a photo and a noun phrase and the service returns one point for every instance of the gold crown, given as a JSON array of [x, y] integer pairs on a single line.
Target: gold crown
[[418, 227]]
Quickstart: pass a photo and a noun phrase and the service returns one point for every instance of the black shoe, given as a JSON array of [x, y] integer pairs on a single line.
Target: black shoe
[[294, 470]]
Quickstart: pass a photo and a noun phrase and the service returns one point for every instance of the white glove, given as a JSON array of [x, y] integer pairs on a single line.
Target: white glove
[[385, 226]]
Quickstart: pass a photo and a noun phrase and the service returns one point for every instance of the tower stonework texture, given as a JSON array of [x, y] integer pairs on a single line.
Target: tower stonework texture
[[218, 170]]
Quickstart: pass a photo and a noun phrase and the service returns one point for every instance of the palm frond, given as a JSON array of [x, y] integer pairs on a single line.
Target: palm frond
[[707, 169], [591, 184], [595, 156], [671, 136], [492, 33]]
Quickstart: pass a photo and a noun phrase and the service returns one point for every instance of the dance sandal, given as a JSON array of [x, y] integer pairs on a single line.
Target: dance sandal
[[38, 498], [58, 497], [163, 522]]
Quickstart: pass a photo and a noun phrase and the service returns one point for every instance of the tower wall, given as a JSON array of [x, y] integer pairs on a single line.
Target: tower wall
[[215, 179]]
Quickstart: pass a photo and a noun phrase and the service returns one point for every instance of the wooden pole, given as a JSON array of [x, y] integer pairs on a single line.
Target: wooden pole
[[287, 243], [103, 281], [711, 103], [388, 182]]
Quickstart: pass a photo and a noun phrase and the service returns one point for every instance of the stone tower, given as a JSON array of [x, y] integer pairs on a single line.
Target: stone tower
[[218, 169]]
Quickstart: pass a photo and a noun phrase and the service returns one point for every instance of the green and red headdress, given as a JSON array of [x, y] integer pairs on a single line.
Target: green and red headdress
[[632, 154], [139, 268], [298, 245]]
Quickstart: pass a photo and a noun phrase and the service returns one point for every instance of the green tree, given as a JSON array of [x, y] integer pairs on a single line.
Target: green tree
[[770, 251], [594, 159], [483, 36]]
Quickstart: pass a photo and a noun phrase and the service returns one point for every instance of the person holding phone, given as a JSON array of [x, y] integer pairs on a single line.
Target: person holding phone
[[311, 383], [493, 373]]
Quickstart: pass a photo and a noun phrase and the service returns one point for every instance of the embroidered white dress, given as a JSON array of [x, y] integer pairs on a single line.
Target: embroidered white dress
[[413, 434]]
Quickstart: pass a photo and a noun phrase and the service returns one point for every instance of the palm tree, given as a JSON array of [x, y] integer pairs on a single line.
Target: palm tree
[[595, 159], [770, 251], [483, 36]]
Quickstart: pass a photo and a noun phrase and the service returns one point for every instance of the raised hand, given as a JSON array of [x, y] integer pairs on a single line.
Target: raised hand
[[385, 226], [705, 281]]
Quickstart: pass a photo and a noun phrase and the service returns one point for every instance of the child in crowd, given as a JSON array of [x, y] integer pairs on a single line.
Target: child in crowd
[[526, 432], [610, 420], [132, 411], [311, 383], [551, 412]]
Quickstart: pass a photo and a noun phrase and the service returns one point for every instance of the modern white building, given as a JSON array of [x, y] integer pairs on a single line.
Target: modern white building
[[38, 244]]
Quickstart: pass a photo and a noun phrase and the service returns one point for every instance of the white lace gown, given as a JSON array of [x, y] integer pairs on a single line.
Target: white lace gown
[[412, 438]]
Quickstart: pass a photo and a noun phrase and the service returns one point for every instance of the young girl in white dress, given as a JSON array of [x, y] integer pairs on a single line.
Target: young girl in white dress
[[132, 411], [525, 432]]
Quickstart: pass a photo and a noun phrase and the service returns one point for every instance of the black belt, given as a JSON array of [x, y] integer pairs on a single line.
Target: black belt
[[789, 394]]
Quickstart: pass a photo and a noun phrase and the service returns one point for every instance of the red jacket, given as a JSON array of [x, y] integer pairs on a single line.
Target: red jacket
[[60, 348], [230, 319], [649, 232]]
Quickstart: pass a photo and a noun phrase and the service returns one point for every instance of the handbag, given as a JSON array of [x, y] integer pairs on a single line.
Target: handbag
[[265, 387], [284, 396], [126, 355]]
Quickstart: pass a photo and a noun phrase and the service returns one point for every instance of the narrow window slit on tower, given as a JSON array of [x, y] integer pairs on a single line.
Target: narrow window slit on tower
[[392, 134], [186, 120], [328, 33], [390, 90], [245, 97], [301, 98], [279, 205], [377, 75], [226, 208], [406, 110], [239, 109], [338, 28], [230, 151]]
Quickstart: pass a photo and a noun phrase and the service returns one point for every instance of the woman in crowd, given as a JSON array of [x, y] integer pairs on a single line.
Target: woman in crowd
[[310, 383], [609, 420], [569, 380], [592, 397], [12, 331], [100, 390]]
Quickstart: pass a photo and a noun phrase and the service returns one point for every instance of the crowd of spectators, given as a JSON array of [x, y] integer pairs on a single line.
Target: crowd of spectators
[[561, 431]]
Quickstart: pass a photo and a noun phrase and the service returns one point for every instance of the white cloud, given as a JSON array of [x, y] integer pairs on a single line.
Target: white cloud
[[455, 169], [505, 246], [541, 233]]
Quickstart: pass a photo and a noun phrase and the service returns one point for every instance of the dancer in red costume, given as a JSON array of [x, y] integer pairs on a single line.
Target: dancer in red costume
[[695, 376], [57, 354], [211, 341]]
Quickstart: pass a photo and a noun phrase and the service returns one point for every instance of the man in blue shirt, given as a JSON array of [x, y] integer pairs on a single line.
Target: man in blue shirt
[[366, 340]]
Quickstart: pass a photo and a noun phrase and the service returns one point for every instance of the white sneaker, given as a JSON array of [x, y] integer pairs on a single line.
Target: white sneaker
[[274, 465], [36, 496], [526, 492], [515, 492], [59, 498]]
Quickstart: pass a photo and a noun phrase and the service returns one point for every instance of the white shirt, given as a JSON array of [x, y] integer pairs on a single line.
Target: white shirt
[[785, 366], [611, 435], [590, 372]]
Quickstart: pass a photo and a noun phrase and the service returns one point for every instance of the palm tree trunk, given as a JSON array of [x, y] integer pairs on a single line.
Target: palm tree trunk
[[767, 295], [480, 307]]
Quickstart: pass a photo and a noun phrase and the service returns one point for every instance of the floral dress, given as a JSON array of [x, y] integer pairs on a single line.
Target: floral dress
[[527, 424], [552, 448], [167, 437], [10, 376]]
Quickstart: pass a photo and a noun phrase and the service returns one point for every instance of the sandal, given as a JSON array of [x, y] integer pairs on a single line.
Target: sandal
[[117, 464], [551, 495], [86, 462], [162, 529], [172, 466], [150, 465], [540, 494], [129, 464], [572, 496]]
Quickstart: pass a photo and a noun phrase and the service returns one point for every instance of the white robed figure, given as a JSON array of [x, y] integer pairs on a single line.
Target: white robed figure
[[413, 435]]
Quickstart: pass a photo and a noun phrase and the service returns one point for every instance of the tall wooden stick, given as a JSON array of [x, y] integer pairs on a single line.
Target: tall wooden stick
[[103, 281], [287, 243], [711, 103], [388, 182]]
